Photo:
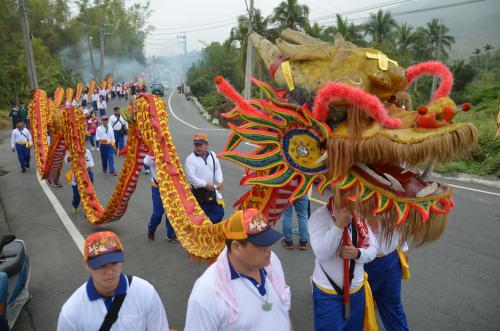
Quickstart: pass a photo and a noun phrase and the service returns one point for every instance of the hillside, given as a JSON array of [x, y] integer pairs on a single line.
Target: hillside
[[472, 25]]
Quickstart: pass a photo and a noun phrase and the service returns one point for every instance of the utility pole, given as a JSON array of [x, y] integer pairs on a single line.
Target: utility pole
[[249, 66], [183, 41], [28, 49], [94, 71], [434, 78], [101, 39]]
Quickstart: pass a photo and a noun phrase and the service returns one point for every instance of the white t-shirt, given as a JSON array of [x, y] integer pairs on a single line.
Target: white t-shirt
[[89, 162], [116, 123], [207, 310], [104, 133], [325, 239], [142, 310], [199, 172]]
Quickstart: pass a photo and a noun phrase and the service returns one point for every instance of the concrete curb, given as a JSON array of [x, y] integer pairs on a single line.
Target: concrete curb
[[466, 178], [205, 114]]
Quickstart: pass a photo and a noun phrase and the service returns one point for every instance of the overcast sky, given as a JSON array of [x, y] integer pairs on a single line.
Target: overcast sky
[[211, 20]]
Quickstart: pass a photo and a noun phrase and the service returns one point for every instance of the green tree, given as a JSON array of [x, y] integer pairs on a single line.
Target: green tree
[[439, 39], [349, 31], [380, 27], [291, 14], [487, 48]]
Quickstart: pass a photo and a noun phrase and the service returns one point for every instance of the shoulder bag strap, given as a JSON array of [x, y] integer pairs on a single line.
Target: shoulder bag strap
[[113, 311], [213, 160]]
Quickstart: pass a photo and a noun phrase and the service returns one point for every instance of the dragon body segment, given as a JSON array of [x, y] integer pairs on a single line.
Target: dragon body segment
[[148, 130]]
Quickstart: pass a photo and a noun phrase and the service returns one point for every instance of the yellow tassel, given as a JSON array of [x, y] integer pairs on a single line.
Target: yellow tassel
[[287, 72], [405, 267], [68, 176], [370, 321]]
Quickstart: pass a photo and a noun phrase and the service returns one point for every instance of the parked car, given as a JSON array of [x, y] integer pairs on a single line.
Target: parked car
[[158, 89]]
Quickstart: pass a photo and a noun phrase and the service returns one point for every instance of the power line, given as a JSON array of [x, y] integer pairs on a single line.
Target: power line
[[360, 10], [202, 23], [193, 30], [421, 10]]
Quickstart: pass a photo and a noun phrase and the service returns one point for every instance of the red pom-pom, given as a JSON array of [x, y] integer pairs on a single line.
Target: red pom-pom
[[422, 110], [466, 106], [218, 79], [448, 114], [428, 122]]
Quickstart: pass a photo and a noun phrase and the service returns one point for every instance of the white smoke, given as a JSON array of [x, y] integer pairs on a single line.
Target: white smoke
[[78, 59]]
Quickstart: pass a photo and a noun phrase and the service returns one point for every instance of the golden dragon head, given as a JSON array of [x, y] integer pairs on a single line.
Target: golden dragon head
[[361, 137]]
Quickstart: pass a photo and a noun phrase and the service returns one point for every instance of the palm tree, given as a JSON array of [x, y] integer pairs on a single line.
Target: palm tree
[[439, 39], [240, 34], [316, 31], [487, 48], [404, 38], [477, 52], [380, 26], [349, 31], [290, 14]]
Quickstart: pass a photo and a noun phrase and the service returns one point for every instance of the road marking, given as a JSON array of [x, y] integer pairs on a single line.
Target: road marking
[[475, 190], [66, 221], [171, 110], [250, 144], [317, 201]]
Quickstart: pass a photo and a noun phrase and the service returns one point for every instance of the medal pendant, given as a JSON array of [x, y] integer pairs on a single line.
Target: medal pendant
[[267, 306]]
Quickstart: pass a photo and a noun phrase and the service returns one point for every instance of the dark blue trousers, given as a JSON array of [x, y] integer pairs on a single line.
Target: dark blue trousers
[[214, 211], [384, 276], [328, 310], [107, 157], [158, 212], [119, 139], [23, 154], [76, 195]]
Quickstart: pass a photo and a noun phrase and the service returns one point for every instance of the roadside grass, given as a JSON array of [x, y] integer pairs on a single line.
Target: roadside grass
[[485, 159], [5, 122]]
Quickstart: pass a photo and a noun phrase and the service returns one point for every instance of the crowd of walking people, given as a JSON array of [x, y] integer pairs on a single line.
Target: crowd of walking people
[[245, 288]]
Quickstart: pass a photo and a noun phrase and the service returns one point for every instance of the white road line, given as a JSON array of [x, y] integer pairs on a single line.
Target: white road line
[[171, 111], [475, 190], [66, 221], [250, 144]]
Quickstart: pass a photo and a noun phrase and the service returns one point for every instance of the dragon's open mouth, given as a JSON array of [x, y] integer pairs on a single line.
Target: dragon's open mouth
[[405, 181]]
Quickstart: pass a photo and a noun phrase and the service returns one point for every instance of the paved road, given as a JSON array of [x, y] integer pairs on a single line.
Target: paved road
[[454, 282]]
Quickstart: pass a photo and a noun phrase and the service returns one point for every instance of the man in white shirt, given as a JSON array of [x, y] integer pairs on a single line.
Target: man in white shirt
[[158, 209], [106, 138], [20, 142], [135, 301], [89, 164], [384, 275], [102, 106], [95, 100], [119, 126], [328, 228], [204, 173], [245, 288]]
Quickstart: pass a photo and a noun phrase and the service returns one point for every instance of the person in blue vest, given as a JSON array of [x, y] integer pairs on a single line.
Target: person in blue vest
[[204, 173], [106, 138], [158, 209], [21, 142]]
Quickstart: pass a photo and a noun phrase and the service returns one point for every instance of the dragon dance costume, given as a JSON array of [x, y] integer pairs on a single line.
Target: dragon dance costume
[[341, 120]]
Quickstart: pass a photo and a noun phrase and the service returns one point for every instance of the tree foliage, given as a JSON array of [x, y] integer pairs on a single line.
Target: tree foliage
[[56, 31]]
